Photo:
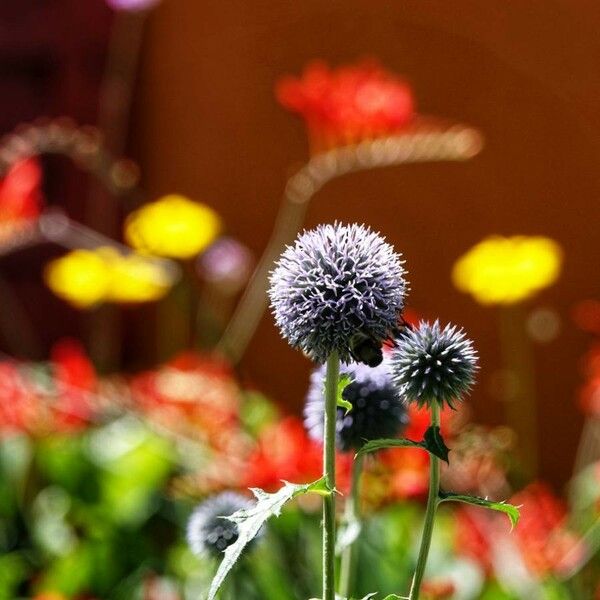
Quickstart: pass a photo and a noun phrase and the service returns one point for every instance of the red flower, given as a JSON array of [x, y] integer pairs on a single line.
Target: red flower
[[285, 452], [438, 589], [474, 530], [193, 393], [345, 105], [20, 194], [547, 545], [75, 382]]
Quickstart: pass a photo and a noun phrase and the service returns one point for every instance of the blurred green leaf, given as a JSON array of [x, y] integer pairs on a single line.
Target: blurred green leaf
[[257, 412]]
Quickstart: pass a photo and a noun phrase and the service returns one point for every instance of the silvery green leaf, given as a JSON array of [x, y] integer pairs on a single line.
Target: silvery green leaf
[[511, 511], [251, 520]]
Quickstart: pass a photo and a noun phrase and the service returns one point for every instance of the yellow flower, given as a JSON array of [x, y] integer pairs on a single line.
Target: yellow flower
[[173, 226], [81, 277], [507, 270], [88, 277]]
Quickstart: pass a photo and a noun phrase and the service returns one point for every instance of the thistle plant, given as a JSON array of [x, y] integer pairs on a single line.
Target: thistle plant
[[337, 294], [432, 367]]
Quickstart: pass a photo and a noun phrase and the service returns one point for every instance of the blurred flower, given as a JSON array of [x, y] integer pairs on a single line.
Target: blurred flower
[[208, 532], [340, 287], [21, 198], [86, 278], [401, 473], [284, 451], [17, 404], [507, 270], [586, 315], [75, 381], [438, 589], [377, 410], [173, 226], [480, 460], [433, 364], [345, 105], [20, 194], [193, 393], [226, 264], [547, 545], [589, 394], [132, 5]]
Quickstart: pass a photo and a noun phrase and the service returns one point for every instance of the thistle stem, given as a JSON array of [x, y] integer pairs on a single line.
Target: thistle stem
[[432, 502], [331, 385], [352, 515]]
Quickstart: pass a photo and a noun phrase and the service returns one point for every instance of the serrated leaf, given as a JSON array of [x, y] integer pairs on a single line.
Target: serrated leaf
[[511, 511], [251, 520], [434, 442], [385, 443]]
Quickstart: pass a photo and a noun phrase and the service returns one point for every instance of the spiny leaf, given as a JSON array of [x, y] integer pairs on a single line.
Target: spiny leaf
[[434, 442], [508, 509], [251, 520]]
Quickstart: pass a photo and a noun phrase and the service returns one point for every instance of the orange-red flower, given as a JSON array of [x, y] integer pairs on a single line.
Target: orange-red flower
[[347, 104], [193, 393], [285, 452], [546, 543], [20, 194]]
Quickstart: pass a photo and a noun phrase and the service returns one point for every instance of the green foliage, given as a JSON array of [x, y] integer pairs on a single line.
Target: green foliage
[[250, 521], [512, 512], [432, 442], [344, 381]]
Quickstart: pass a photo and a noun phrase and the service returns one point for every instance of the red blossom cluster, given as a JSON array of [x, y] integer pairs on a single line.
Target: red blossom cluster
[[285, 452], [59, 401], [348, 104], [545, 543], [192, 393], [589, 395]]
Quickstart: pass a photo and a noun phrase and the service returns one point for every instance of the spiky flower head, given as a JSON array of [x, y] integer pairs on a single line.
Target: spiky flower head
[[377, 409], [209, 532], [339, 287], [434, 364]]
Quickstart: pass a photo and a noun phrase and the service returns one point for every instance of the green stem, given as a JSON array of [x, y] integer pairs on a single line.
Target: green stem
[[432, 502], [331, 385], [352, 515]]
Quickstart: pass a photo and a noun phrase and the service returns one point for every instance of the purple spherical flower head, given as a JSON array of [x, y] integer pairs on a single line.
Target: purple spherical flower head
[[434, 364], [377, 408], [338, 288], [208, 532], [132, 5]]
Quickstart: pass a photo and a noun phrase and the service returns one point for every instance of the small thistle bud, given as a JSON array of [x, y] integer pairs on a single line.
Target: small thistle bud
[[338, 288], [209, 532], [377, 410], [434, 364]]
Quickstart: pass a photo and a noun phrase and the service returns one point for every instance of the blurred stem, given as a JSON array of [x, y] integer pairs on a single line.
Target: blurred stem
[[331, 386], [352, 515], [520, 405], [432, 502]]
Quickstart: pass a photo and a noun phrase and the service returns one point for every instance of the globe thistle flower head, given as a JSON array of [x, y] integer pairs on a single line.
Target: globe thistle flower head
[[336, 288], [434, 364], [209, 532], [377, 409]]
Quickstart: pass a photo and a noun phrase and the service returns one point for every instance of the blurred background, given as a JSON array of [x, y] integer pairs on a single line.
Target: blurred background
[[121, 104]]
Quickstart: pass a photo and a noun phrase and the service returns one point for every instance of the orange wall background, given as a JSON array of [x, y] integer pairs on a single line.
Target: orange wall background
[[526, 73]]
